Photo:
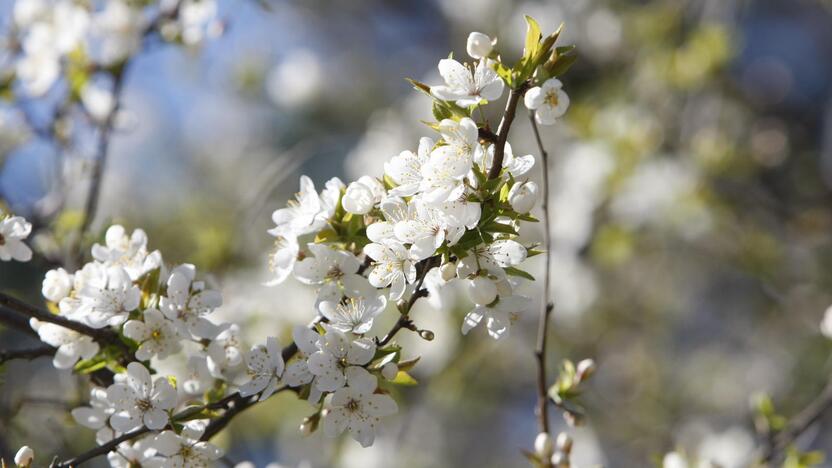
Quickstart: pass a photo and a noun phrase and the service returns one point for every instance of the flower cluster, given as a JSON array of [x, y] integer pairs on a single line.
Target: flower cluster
[[449, 210], [67, 34], [13, 231]]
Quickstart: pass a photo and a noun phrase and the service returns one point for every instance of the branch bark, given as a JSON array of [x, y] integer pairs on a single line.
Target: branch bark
[[546, 306], [799, 424], [100, 335], [502, 130], [32, 353]]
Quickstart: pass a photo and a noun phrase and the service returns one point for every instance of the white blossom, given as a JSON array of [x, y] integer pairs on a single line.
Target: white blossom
[[157, 336], [482, 290], [187, 301], [479, 45], [405, 169], [198, 379], [328, 264], [23, 458], [138, 453], [309, 212], [283, 257], [141, 400], [224, 352], [97, 415], [338, 358], [394, 266], [72, 346], [57, 284], [498, 317], [107, 296], [448, 164], [358, 409], [265, 366], [515, 165], [353, 314], [465, 86], [523, 196], [362, 195], [548, 101], [297, 371], [115, 32], [13, 230], [129, 252], [185, 450]]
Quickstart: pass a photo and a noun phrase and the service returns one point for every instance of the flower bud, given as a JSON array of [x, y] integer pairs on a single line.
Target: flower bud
[[389, 371], [56, 285], [482, 290], [585, 369], [560, 460], [479, 45], [448, 271], [543, 446], [523, 196], [427, 335], [24, 457], [564, 443]]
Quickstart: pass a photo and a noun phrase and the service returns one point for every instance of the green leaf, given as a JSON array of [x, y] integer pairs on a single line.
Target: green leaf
[[532, 37], [518, 272], [326, 235], [88, 366], [409, 364], [419, 86], [403, 378]]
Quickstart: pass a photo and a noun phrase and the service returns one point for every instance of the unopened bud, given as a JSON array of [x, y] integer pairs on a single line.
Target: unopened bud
[[543, 445], [389, 371], [560, 460], [573, 419], [427, 335], [448, 271], [24, 457], [482, 291], [479, 45], [523, 196], [585, 369], [564, 443]]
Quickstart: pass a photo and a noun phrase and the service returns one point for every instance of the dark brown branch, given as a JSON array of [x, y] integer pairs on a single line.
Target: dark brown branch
[[32, 353], [546, 306], [100, 335], [17, 321], [502, 131], [418, 292], [798, 425]]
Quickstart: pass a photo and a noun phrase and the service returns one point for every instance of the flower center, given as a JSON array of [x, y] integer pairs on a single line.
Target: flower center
[[551, 98], [352, 406], [156, 334], [144, 405], [334, 273]]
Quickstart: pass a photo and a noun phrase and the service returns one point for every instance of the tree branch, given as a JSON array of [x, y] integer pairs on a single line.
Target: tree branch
[[546, 306], [502, 130], [418, 292], [32, 353], [100, 335], [799, 424]]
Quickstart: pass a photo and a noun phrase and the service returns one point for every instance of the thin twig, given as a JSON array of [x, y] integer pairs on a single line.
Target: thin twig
[[418, 292], [546, 306], [799, 424]]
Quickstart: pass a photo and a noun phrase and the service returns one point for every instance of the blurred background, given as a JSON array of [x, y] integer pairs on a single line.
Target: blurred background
[[692, 206]]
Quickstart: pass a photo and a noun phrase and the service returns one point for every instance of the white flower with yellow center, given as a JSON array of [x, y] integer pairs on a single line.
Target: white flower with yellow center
[[358, 409], [157, 336], [548, 101], [465, 86]]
